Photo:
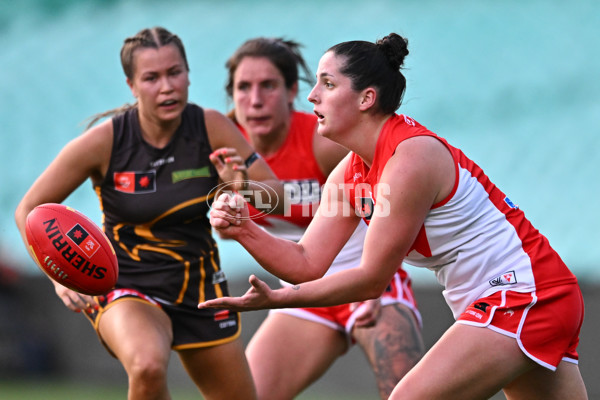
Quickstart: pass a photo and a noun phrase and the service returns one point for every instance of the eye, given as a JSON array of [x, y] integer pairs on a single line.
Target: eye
[[269, 85], [328, 84], [242, 86]]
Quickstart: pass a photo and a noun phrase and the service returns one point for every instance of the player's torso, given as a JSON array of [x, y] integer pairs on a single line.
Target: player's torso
[[155, 203]]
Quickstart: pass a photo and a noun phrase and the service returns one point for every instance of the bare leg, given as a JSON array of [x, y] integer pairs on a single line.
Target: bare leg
[[393, 346], [220, 372], [140, 336], [287, 354], [543, 384], [466, 363]]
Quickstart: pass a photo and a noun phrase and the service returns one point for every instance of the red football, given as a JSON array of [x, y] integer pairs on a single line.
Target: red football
[[71, 249]]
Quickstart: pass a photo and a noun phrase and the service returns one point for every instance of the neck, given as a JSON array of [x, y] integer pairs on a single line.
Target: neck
[[362, 140], [158, 133]]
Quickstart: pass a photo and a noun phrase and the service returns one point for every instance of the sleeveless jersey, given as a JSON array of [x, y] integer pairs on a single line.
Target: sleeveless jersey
[[476, 240], [155, 204], [296, 166]]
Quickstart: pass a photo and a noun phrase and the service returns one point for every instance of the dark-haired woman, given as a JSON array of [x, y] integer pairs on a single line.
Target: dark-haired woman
[[263, 79], [154, 166], [517, 306]]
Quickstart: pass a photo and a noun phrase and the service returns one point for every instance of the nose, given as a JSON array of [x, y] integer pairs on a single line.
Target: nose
[[312, 96], [256, 97], [166, 85]]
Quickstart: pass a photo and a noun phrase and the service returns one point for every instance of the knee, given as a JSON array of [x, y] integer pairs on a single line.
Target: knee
[[148, 371]]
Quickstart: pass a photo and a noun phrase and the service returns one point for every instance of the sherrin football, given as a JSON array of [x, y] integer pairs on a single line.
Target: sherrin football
[[71, 249]]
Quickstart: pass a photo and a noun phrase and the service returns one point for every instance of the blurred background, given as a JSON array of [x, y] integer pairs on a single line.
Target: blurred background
[[514, 84]]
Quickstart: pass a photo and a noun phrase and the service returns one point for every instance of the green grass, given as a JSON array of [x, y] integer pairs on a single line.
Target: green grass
[[66, 390]]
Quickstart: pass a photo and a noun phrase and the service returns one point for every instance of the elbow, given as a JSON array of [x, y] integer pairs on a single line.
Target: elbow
[[373, 293], [374, 288]]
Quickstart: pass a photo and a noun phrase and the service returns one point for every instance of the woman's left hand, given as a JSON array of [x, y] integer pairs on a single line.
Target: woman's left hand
[[230, 167], [368, 312]]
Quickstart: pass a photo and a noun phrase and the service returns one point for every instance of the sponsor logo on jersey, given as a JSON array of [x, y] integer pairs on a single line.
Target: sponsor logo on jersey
[[83, 240], [203, 172], [365, 206], [218, 277], [507, 278], [510, 203], [135, 182], [409, 120], [162, 161]]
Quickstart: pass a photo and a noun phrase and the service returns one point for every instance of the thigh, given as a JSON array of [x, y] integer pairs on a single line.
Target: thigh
[[220, 372], [287, 354], [543, 384], [132, 328], [466, 363], [393, 345]]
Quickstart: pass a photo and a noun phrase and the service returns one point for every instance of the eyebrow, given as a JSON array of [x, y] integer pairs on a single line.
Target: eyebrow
[[324, 74]]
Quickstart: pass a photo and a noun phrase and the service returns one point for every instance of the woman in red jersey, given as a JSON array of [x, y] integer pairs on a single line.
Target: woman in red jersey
[[263, 83], [517, 306]]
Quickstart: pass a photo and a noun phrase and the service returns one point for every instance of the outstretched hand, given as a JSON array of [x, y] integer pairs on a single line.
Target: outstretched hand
[[231, 168], [259, 297]]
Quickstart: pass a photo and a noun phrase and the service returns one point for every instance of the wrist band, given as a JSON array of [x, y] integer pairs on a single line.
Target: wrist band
[[251, 158]]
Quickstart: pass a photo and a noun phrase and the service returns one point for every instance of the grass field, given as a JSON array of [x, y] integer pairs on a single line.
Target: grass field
[[61, 390]]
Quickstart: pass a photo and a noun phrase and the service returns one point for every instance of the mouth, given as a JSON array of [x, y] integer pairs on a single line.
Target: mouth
[[319, 115], [258, 120], [168, 103]]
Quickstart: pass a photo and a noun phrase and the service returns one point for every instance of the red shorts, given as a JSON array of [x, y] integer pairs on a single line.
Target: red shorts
[[342, 318], [545, 323]]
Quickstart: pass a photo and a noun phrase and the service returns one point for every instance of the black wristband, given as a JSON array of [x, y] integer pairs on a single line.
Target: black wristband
[[251, 158]]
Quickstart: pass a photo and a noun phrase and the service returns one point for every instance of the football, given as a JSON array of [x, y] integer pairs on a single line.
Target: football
[[71, 249]]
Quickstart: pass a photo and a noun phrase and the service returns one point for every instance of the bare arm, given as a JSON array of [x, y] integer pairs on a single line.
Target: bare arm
[[86, 156], [420, 174], [231, 149], [294, 262]]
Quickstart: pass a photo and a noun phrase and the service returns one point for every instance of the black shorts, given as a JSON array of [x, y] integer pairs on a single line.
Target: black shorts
[[192, 328]]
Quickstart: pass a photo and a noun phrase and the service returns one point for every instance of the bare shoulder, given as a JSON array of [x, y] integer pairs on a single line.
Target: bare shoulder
[[222, 132], [428, 161], [215, 119], [93, 147]]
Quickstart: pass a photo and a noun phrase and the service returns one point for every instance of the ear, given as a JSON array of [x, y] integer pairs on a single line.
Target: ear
[[133, 91], [368, 98], [292, 93]]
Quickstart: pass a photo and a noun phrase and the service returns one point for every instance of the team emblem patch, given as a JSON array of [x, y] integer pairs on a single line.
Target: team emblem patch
[[135, 182], [364, 207], [507, 278]]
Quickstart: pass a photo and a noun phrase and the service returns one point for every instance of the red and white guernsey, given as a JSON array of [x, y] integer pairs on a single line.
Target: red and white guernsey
[[476, 240]]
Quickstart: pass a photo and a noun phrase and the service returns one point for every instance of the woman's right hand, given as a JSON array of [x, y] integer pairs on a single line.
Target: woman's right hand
[[228, 214], [75, 301]]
